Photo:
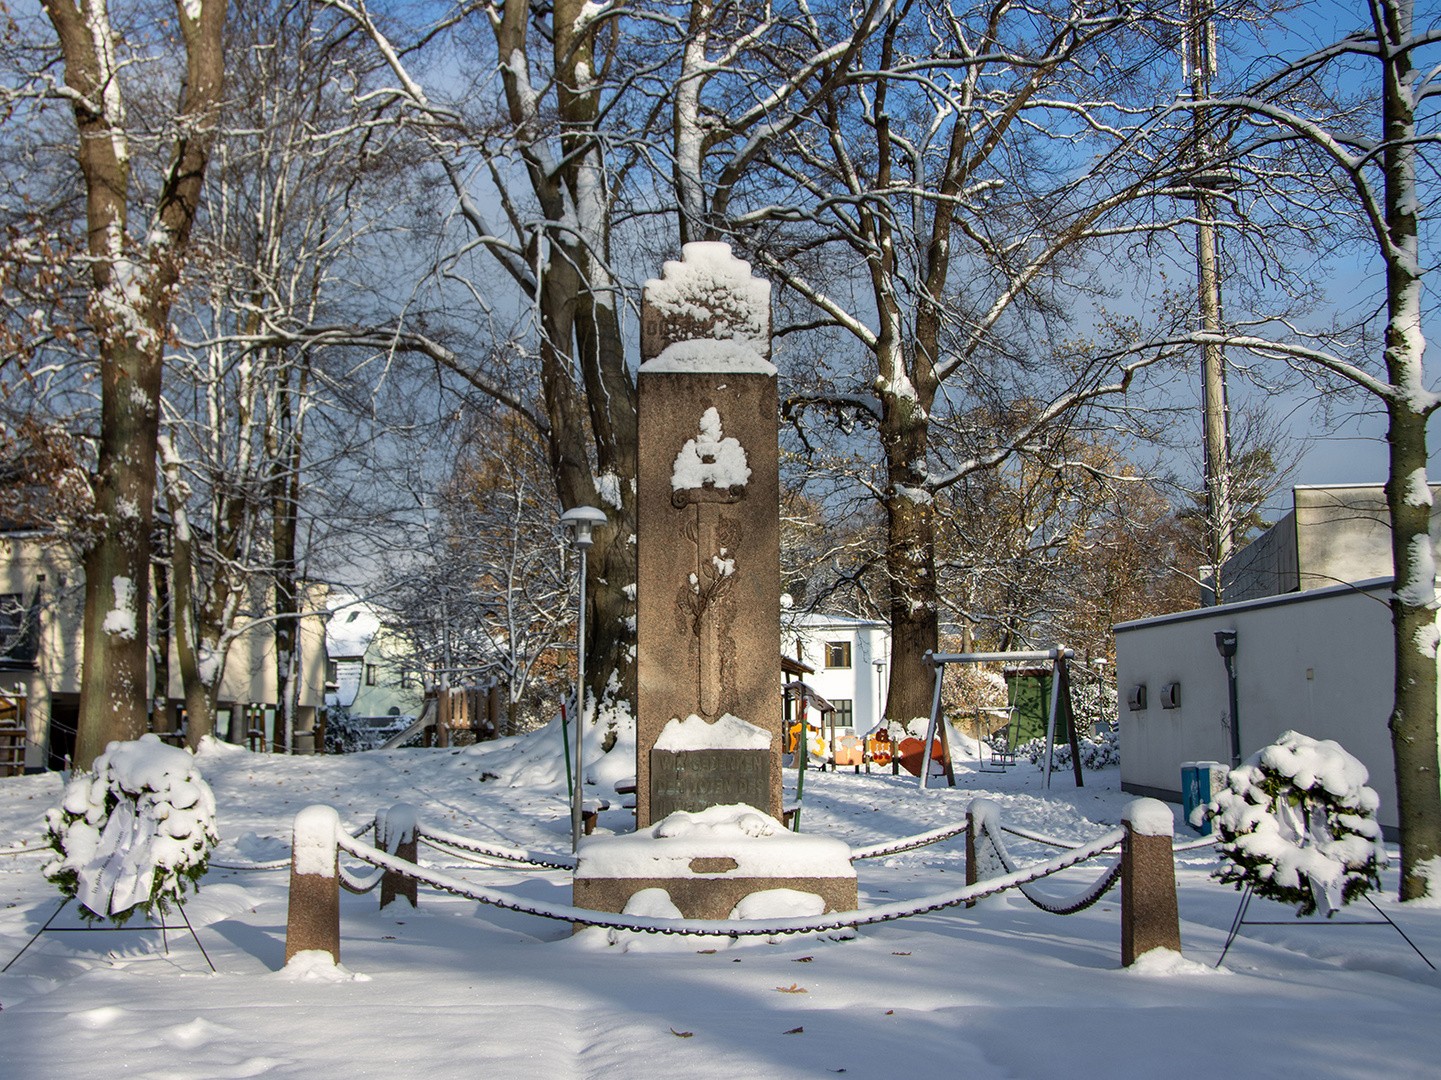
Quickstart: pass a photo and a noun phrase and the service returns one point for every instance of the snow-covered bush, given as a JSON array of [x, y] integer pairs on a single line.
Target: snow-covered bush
[[134, 832], [1298, 825], [1100, 750], [1094, 706], [345, 734]]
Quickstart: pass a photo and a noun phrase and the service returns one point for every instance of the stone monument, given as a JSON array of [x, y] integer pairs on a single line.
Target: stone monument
[[708, 541], [708, 843]]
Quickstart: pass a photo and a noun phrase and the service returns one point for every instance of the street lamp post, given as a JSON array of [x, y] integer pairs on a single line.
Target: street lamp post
[[579, 523]]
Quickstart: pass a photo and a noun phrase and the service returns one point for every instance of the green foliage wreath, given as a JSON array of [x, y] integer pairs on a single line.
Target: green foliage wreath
[[1298, 824], [133, 833]]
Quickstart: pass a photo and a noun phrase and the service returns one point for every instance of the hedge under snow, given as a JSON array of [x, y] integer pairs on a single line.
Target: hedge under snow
[[134, 831], [1298, 825]]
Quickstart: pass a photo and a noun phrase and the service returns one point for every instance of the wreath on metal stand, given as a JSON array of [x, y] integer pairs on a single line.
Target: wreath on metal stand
[[131, 835], [1298, 825]]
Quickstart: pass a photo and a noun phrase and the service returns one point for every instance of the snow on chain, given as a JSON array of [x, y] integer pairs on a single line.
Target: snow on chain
[[454, 844], [280, 864], [730, 927], [497, 851], [359, 885], [988, 814], [25, 849]]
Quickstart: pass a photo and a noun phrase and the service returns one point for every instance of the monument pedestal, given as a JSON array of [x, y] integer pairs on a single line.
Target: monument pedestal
[[707, 863]]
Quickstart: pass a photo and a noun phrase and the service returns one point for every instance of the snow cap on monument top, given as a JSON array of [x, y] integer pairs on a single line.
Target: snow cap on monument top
[[710, 296]]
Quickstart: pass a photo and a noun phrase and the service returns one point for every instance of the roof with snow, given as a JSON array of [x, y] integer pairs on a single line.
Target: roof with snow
[[811, 618], [352, 625]]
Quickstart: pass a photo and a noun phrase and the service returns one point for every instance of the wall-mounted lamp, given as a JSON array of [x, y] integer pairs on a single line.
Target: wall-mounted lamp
[[1136, 697], [1226, 646], [1171, 695]]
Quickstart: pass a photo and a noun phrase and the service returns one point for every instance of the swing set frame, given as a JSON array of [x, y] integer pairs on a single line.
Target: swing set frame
[[1059, 657]]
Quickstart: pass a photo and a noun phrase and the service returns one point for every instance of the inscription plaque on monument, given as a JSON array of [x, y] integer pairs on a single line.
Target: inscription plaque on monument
[[708, 539], [696, 779]]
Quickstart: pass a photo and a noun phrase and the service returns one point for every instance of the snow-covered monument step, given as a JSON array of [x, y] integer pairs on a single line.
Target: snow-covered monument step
[[722, 863]]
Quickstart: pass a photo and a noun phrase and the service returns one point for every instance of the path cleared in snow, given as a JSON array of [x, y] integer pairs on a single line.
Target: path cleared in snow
[[457, 989]]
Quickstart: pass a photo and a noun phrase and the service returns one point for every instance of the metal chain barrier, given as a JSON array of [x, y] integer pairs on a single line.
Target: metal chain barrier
[[437, 837], [910, 843], [357, 885], [490, 862], [729, 927], [945, 832], [990, 828], [281, 864], [24, 850]]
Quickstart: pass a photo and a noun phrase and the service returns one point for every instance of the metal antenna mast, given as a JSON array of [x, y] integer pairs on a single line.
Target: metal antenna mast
[[1198, 65]]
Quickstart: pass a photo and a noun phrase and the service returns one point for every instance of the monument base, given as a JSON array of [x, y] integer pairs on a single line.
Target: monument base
[[708, 862]]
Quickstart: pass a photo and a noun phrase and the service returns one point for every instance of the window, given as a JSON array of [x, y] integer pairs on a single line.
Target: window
[[12, 616], [369, 674], [332, 673], [838, 654], [845, 716]]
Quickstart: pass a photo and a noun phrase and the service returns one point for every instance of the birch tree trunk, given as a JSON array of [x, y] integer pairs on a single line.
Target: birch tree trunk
[[1408, 493]]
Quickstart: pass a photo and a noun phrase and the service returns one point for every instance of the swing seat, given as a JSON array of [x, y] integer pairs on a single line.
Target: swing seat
[[909, 751]]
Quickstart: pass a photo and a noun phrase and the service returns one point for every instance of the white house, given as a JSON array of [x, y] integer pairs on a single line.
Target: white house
[[42, 604], [370, 670], [851, 658]]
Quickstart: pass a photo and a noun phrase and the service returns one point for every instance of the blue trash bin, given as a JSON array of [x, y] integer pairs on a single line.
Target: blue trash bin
[[1201, 781]]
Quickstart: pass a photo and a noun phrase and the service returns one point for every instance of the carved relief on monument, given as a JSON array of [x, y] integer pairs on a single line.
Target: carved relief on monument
[[709, 473]]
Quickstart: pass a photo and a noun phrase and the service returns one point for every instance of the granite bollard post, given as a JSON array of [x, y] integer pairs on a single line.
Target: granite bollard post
[[972, 867], [395, 834], [313, 916], [1150, 917]]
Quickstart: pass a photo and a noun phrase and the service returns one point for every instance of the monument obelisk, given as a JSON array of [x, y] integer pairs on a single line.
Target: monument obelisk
[[708, 539]]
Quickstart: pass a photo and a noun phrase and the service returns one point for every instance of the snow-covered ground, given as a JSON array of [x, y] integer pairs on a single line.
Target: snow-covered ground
[[456, 989]]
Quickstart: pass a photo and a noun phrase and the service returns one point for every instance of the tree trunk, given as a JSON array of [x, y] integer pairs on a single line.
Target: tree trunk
[[130, 313], [911, 563], [114, 685], [1408, 493]]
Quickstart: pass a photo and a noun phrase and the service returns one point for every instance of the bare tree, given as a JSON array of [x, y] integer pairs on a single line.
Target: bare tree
[[1327, 152], [132, 283], [947, 173]]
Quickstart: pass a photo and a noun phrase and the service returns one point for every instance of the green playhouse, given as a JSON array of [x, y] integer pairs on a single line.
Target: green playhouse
[[1028, 695]]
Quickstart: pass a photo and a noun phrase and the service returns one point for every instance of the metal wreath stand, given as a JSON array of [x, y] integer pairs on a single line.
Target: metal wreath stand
[[162, 926], [1240, 920], [1060, 700]]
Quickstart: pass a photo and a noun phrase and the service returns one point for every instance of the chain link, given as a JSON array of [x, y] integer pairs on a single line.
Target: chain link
[[1067, 906], [726, 928]]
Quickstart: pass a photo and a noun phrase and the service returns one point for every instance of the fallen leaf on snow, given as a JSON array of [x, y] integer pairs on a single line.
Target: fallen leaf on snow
[[793, 1031], [793, 988], [802, 959], [681, 1034]]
